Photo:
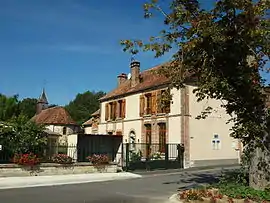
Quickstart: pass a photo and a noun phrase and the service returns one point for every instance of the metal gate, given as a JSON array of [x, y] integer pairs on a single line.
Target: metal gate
[[145, 156]]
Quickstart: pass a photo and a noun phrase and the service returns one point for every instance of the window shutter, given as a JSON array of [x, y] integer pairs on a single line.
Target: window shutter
[[114, 109], [168, 107], [123, 108], [159, 110], [154, 103], [106, 112], [141, 105]]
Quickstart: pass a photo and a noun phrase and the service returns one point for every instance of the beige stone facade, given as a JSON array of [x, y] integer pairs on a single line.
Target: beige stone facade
[[139, 117]]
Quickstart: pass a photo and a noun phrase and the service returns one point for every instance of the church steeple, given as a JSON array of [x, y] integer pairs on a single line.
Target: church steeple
[[42, 102]]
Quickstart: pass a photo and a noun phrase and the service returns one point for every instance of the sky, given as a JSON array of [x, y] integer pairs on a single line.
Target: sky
[[70, 46]]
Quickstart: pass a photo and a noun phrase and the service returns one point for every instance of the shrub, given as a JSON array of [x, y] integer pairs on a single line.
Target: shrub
[[99, 159], [135, 156], [234, 184], [62, 159], [26, 159]]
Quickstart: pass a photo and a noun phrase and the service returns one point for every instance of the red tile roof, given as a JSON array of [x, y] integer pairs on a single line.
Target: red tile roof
[[96, 113], [149, 79], [54, 115], [89, 122]]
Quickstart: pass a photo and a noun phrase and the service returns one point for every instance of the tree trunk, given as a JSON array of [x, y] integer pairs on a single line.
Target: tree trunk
[[259, 171]]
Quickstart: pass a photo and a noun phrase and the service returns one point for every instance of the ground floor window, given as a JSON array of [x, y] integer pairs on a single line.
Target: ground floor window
[[162, 137]]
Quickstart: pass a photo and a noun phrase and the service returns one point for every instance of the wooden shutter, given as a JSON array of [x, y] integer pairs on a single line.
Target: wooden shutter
[[123, 108], [159, 110], [168, 107], [154, 102], [106, 112], [114, 109], [141, 105]]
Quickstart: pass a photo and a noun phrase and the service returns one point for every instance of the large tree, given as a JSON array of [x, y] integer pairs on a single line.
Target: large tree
[[27, 107], [225, 48], [21, 135], [8, 107], [84, 105]]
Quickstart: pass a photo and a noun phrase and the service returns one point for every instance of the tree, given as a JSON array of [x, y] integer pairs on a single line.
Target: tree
[[84, 105], [19, 135], [8, 107], [225, 48], [27, 107]]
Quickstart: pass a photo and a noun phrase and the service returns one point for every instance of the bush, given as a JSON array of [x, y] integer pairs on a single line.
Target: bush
[[62, 159], [238, 176], [235, 184], [98, 159], [26, 159], [135, 156]]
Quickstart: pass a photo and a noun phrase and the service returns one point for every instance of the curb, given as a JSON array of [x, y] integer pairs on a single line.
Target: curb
[[174, 199], [41, 181], [177, 171]]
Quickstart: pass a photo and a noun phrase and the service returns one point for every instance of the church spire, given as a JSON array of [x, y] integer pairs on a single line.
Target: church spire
[[42, 102], [43, 97]]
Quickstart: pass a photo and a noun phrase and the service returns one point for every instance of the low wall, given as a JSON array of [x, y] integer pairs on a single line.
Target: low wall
[[44, 169]]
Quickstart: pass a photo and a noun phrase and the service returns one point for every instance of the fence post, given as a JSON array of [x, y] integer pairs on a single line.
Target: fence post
[[166, 155], [127, 156]]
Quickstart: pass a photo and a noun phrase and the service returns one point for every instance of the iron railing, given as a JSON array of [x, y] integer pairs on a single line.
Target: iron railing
[[152, 156]]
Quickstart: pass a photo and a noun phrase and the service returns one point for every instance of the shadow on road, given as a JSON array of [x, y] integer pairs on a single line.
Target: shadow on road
[[193, 180]]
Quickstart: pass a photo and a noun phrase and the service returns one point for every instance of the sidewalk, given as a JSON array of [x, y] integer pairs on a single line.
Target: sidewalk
[[38, 181]]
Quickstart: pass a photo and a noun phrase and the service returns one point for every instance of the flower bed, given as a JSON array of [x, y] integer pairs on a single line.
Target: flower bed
[[26, 159], [214, 195], [99, 161], [62, 159]]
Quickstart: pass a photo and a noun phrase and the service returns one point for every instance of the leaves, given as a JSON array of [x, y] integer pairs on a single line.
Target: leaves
[[222, 50], [20, 135]]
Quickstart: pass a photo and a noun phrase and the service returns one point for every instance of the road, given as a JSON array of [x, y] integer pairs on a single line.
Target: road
[[152, 187]]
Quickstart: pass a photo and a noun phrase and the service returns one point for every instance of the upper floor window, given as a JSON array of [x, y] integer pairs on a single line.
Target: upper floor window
[[148, 103], [154, 103], [115, 109]]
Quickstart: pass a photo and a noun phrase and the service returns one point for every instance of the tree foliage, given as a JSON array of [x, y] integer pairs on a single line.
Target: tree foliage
[[8, 107], [225, 48], [27, 107], [84, 105], [20, 135]]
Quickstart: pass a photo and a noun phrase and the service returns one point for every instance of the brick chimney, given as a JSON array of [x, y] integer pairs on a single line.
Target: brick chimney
[[121, 78], [135, 73]]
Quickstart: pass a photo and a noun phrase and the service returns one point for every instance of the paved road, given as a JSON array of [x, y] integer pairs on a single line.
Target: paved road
[[151, 188]]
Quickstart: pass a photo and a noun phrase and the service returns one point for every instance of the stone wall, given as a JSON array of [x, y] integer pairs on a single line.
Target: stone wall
[[14, 170]]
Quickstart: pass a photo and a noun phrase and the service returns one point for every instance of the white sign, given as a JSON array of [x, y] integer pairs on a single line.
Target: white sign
[[0, 147]]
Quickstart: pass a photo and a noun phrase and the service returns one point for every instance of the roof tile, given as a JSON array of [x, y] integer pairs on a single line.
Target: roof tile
[[54, 115]]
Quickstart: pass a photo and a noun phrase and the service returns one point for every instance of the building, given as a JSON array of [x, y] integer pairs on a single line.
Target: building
[[91, 126], [57, 121], [136, 110]]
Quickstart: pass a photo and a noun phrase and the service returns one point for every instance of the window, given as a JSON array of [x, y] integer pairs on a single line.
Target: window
[[132, 140], [216, 143], [115, 109], [120, 109], [148, 104], [148, 133], [64, 130], [162, 137]]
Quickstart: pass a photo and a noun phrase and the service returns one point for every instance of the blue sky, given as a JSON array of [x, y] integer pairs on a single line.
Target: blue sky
[[71, 45]]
